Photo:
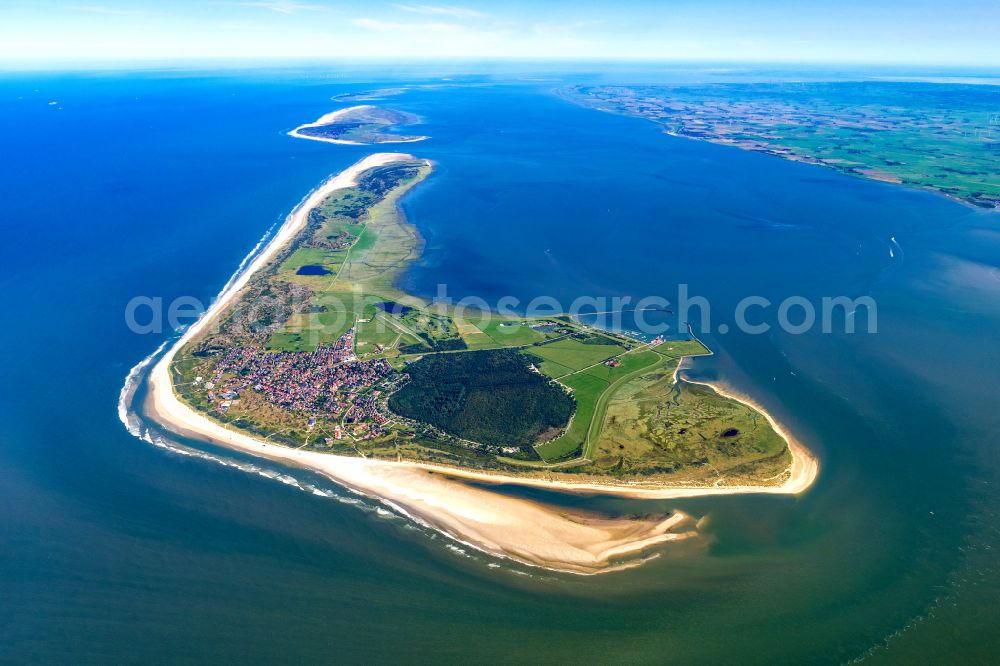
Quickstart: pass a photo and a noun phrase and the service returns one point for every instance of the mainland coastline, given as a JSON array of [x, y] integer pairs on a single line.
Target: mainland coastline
[[530, 532]]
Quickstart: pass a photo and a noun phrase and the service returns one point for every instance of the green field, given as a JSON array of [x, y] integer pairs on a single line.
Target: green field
[[679, 348], [475, 338], [303, 256], [512, 333], [433, 332], [629, 364], [586, 391], [553, 369], [380, 329], [323, 320], [574, 354]]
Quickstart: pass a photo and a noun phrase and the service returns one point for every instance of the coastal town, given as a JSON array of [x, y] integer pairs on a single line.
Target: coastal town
[[329, 383]]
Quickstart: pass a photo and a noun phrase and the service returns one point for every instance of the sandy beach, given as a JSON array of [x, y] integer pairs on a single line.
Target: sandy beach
[[334, 116], [526, 531], [530, 532]]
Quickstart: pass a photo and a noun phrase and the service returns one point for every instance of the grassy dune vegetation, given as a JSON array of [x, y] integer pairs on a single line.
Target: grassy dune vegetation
[[424, 382]]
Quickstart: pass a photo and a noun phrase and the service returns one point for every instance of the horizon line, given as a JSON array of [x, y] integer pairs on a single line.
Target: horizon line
[[205, 62]]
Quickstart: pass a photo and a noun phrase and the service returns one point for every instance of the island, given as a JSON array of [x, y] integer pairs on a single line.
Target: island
[[314, 356], [359, 125], [939, 137], [375, 95]]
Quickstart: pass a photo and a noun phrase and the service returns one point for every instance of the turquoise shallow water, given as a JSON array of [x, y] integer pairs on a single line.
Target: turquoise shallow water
[[158, 185]]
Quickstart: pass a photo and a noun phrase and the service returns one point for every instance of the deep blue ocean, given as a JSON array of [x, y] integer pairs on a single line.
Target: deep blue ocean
[[117, 185]]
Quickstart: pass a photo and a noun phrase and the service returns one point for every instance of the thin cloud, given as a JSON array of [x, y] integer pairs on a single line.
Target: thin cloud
[[112, 11], [389, 26], [437, 10], [280, 6], [563, 28]]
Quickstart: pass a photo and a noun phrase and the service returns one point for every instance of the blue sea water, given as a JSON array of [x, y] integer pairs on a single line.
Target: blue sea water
[[157, 185]]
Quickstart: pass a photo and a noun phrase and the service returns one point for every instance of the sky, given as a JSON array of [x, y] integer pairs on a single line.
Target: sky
[[918, 32]]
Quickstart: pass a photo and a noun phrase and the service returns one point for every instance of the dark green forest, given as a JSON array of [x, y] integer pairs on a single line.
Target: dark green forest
[[489, 396]]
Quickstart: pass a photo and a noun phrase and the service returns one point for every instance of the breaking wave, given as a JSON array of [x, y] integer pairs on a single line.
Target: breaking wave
[[131, 385]]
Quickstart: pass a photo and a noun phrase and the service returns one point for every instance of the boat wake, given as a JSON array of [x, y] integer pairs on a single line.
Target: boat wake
[[895, 250]]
